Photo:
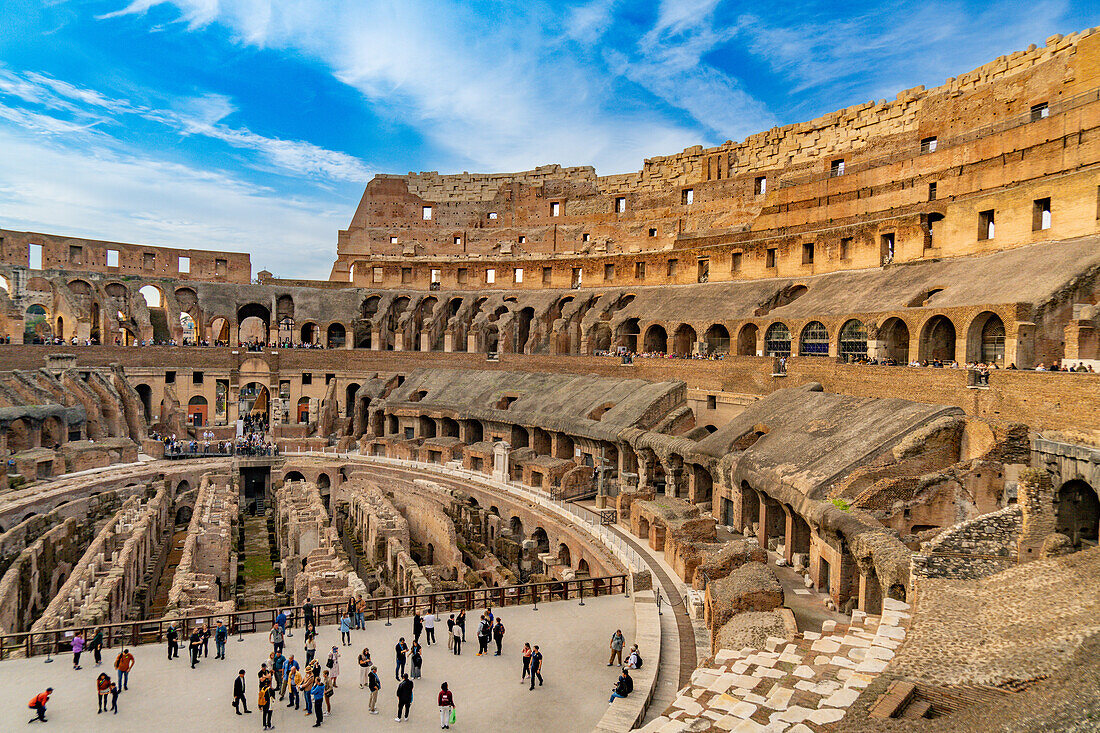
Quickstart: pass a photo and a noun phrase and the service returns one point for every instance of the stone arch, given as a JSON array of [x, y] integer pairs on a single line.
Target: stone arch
[[336, 336], [814, 340], [683, 340], [985, 339], [153, 295], [717, 338], [309, 333], [937, 341], [349, 399], [1077, 512], [36, 324], [426, 426], [777, 340], [656, 339], [853, 340], [183, 515], [564, 556], [600, 339], [323, 481], [219, 330], [746, 339], [582, 568], [541, 539], [253, 323], [145, 393], [893, 337], [294, 476], [303, 410], [627, 334], [51, 433], [515, 527], [19, 435], [523, 328]]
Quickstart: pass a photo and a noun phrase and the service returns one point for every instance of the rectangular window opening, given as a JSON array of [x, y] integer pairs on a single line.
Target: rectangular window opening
[[185, 265], [712, 402], [221, 268], [34, 256], [578, 276], [1040, 218], [620, 204], [307, 378], [406, 275], [585, 237], [639, 271], [112, 258], [555, 209], [435, 275], [547, 275], [652, 232], [517, 275], [490, 276], [75, 254], [703, 273], [149, 261], [492, 216], [458, 240], [931, 191], [687, 196], [769, 260], [1040, 111], [846, 248], [522, 239], [427, 213], [377, 275], [735, 262], [672, 264], [760, 187], [463, 275], [928, 145], [986, 227], [886, 242], [609, 272], [808, 253], [196, 377], [836, 168], [393, 240]]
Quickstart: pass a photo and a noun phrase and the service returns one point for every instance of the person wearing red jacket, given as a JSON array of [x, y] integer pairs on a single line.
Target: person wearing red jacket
[[38, 704], [446, 706]]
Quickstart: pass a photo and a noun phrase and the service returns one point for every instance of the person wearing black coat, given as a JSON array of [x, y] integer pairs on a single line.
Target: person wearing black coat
[[238, 694], [404, 697]]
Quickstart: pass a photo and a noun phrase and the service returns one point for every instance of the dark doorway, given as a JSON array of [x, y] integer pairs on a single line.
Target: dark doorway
[[254, 483]]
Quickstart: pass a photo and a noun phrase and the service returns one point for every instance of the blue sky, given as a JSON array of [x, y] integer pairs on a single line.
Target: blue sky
[[253, 125]]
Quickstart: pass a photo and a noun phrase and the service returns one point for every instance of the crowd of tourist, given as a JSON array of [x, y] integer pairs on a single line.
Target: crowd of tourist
[[249, 444]]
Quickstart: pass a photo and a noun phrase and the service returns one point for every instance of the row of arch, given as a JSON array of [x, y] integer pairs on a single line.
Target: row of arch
[[985, 339]]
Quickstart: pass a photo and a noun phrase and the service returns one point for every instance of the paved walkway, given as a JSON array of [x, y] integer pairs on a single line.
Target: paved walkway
[[169, 696]]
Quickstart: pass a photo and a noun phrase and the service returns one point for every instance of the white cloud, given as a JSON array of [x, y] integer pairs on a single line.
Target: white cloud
[[496, 89], [45, 186], [200, 115]]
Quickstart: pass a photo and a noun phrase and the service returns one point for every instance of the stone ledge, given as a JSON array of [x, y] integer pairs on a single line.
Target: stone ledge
[[624, 715]]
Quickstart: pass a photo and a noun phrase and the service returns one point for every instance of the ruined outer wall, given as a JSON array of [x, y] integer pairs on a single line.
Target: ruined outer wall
[[61, 252], [29, 582], [990, 154]]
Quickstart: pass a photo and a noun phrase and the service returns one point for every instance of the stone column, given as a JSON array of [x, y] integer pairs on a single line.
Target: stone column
[[1035, 494]]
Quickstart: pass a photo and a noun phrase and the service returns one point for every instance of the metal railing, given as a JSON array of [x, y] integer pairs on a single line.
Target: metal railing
[[132, 633]]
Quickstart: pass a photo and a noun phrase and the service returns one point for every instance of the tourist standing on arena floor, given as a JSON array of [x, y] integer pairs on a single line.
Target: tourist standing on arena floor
[[38, 704], [374, 684], [429, 628], [364, 667], [333, 664], [360, 612], [498, 635], [330, 689], [275, 636], [265, 704], [289, 669], [221, 635], [401, 649], [404, 697], [204, 635], [124, 662], [294, 677], [456, 640], [318, 695], [527, 652], [114, 698], [345, 629], [417, 659], [194, 644], [78, 647], [238, 694], [460, 622], [418, 626], [617, 642], [446, 706], [173, 641], [103, 689], [451, 631], [307, 613], [309, 679], [536, 666], [483, 632], [311, 643], [96, 646]]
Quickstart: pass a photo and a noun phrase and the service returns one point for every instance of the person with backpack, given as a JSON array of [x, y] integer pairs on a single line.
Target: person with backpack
[[374, 684], [623, 687], [483, 632], [124, 662], [96, 646], [617, 642], [446, 707], [634, 659], [266, 694], [38, 704], [417, 659]]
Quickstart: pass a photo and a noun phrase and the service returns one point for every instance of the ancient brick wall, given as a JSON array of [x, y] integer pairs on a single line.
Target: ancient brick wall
[[973, 549], [209, 552]]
